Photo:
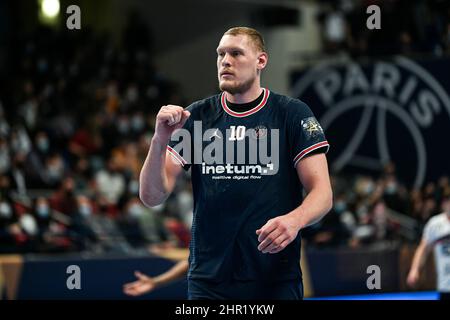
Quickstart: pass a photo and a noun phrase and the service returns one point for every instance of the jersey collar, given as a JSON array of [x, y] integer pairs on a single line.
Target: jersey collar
[[223, 102]]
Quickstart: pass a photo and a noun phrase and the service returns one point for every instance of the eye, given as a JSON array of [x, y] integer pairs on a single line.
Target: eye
[[236, 53], [220, 54]]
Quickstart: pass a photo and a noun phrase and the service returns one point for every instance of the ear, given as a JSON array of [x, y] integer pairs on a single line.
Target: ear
[[262, 60]]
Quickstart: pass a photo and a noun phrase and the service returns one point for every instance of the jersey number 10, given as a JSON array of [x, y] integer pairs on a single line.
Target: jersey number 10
[[237, 133]]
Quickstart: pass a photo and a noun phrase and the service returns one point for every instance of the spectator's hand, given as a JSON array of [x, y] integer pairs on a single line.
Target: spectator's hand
[[277, 233], [169, 119], [143, 285], [15, 230], [413, 278]]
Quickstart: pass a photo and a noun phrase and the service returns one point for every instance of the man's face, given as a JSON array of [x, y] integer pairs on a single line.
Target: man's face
[[238, 62]]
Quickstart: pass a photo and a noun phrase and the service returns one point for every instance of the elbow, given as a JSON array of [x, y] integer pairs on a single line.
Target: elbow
[[149, 200]]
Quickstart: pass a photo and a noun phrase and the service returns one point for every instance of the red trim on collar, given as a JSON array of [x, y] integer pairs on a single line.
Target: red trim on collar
[[223, 101]]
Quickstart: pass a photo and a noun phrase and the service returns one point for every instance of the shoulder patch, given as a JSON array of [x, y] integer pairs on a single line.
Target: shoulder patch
[[311, 127]]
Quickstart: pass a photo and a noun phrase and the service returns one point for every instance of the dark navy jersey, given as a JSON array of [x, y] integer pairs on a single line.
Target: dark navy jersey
[[243, 174]]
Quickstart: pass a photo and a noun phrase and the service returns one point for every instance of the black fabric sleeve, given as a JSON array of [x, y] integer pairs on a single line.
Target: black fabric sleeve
[[305, 132]]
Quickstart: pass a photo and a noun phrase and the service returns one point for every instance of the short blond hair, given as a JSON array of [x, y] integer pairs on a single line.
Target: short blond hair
[[255, 37]]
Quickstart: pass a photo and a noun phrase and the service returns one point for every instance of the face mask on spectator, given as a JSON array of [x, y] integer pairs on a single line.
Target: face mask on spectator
[[133, 187], [5, 210], [85, 210], [123, 125], [137, 123], [54, 171], [391, 188], [43, 144], [369, 187], [340, 206], [362, 211], [135, 210], [132, 94], [43, 211]]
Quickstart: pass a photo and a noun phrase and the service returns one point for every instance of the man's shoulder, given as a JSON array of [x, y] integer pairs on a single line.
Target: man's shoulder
[[437, 220], [289, 104]]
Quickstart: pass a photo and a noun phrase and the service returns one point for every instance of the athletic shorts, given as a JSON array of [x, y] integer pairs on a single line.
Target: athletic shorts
[[245, 290]]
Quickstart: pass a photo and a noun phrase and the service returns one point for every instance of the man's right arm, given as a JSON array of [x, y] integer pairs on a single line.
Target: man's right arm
[[159, 173]]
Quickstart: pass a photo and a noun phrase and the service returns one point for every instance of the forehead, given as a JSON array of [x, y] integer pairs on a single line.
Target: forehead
[[240, 41]]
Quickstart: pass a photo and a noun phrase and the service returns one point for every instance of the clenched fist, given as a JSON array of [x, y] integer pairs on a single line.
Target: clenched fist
[[169, 119]]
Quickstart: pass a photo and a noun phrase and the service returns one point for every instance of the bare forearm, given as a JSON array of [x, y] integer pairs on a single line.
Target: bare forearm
[[315, 206], [176, 272], [419, 258], [153, 184]]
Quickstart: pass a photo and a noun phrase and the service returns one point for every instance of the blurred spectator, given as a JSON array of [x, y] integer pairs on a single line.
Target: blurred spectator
[[82, 175], [110, 182], [9, 229], [5, 187], [63, 199], [129, 223], [85, 141], [20, 142], [55, 169], [4, 125], [17, 175], [408, 28], [36, 159], [334, 27], [102, 231], [29, 227], [394, 194], [5, 156]]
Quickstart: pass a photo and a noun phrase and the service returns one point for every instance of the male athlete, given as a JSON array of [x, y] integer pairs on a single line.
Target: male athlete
[[248, 205], [436, 234]]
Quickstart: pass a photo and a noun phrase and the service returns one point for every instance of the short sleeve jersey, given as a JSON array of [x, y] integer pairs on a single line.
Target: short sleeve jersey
[[243, 174], [437, 234]]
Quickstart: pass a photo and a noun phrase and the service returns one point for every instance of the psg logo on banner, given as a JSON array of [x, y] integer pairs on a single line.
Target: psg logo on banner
[[382, 111]]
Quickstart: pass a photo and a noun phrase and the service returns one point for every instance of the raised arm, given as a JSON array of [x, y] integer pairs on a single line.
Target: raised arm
[[159, 172]]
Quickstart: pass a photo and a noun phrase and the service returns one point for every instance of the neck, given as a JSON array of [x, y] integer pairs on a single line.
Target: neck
[[247, 96]]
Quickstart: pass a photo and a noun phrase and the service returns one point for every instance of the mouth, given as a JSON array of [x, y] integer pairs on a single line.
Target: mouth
[[226, 74]]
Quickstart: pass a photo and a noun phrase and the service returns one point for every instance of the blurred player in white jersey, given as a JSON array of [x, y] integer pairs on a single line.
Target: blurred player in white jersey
[[436, 235]]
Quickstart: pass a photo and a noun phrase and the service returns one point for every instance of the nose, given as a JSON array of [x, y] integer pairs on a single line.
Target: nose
[[226, 60]]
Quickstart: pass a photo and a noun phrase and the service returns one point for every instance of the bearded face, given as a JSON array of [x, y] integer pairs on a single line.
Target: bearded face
[[238, 64]]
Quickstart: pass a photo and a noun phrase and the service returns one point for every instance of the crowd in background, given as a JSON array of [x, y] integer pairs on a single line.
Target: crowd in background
[[370, 210], [407, 27], [76, 119]]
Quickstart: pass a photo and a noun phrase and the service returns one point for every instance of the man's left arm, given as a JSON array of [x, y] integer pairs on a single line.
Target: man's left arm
[[278, 232]]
